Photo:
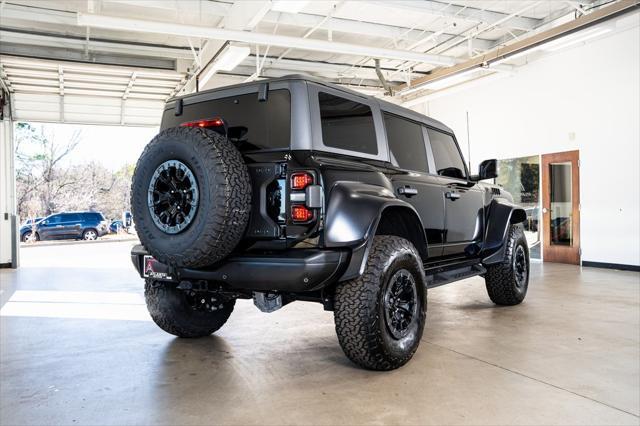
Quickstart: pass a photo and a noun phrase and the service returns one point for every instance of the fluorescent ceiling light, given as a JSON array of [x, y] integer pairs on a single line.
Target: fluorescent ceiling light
[[443, 82], [230, 58], [289, 6], [574, 39], [558, 44]]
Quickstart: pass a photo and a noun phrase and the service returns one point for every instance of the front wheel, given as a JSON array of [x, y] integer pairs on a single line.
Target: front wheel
[[507, 282], [30, 237], [380, 315], [186, 313], [90, 235]]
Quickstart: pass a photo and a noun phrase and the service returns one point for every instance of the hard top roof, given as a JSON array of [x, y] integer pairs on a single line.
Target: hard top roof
[[384, 105]]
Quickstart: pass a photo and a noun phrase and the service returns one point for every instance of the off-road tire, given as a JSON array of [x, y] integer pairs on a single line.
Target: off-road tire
[[502, 284], [224, 197], [359, 307], [170, 310]]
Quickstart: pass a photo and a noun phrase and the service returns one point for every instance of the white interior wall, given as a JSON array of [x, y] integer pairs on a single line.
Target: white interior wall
[[586, 97]]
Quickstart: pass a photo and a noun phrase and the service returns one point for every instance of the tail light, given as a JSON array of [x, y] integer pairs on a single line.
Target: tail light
[[210, 122], [300, 181], [300, 213]]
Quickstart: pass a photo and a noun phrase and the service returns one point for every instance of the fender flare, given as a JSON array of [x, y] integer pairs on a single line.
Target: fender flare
[[352, 218], [502, 213]]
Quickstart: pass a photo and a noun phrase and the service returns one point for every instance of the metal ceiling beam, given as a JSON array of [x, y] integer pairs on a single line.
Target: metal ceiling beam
[[84, 68], [343, 70], [15, 14], [63, 54], [78, 43], [139, 25], [463, 12], [495, 56], [308, 20], [351, 26]]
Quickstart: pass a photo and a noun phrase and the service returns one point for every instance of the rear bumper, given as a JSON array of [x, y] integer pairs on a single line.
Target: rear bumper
[[294, 270]]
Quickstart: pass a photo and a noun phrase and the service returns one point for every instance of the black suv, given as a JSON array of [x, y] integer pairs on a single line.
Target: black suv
[[294, 189], [71, 225]]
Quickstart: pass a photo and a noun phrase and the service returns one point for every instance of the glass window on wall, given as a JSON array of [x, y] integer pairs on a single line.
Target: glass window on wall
[[521, 177]]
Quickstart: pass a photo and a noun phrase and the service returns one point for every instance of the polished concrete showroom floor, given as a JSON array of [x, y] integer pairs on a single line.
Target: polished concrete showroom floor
[[77, 347]]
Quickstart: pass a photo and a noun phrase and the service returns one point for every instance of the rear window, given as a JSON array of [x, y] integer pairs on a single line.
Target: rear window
[[254, 125], [347, 124]]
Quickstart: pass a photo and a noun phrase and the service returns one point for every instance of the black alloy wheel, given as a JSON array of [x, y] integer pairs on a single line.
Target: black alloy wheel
[[400, 303], [173, 196]]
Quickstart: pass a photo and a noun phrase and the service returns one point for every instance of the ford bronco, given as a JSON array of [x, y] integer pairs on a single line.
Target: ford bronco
[[292, 189]]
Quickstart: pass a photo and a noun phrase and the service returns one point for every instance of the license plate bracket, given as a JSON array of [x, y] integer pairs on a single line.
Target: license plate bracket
[[151, 268]]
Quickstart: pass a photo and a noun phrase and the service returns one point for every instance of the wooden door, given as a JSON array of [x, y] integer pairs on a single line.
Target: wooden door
[[561, 207]]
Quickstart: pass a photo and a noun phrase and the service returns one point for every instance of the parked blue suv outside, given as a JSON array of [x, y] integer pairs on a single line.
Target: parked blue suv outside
[[71, 225]]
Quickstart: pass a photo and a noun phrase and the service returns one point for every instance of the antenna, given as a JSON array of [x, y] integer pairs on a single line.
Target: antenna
[[468, 143]]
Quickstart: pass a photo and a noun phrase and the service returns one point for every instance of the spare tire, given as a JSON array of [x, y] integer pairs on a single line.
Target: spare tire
[[190, 197]]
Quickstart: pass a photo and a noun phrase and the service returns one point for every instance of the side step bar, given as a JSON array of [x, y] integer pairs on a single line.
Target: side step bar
[[445, 274]]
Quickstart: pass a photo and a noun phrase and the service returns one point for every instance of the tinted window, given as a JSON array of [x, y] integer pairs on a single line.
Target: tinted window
[[446, 155], [253, 125], [406, 143], [54, 219], [347, 124], [71, 217], [96, 217]]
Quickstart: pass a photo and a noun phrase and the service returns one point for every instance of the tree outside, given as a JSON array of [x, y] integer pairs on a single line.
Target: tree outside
[[48, 182]]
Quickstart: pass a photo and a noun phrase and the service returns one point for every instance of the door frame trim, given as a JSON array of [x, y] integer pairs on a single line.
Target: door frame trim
[[561, 256]]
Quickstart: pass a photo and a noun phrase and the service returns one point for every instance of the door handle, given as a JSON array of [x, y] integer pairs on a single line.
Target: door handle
[[452, 195], [407, 191]]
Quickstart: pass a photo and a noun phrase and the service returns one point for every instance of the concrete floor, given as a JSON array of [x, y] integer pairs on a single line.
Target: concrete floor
[[78, 348]]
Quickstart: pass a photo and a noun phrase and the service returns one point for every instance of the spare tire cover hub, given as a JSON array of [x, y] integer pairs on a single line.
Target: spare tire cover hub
[[172, 196]]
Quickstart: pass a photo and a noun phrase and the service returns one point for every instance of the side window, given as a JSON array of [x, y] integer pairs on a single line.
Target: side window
[[347, 124], [446, 155], [72, 218], [406, 143], [54, 219]]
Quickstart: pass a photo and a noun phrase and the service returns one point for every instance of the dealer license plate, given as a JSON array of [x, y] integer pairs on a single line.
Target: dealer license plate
[[154, 269]]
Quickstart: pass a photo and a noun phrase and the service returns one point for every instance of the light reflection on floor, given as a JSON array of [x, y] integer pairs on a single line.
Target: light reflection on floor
[[120, 306]]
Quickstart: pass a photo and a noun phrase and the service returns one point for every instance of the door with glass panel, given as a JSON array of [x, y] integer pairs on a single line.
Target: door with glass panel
[[561, 207]]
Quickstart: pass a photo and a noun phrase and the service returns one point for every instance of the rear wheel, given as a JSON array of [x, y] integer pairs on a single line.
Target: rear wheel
[[507, 282], [186, 313], [380, 316]]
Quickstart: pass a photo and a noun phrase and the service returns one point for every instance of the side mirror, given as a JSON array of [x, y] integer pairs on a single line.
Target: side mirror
[[488, 170], [45, 222]]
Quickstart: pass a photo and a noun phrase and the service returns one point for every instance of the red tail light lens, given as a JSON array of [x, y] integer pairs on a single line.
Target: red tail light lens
[[300, 213], [301, 180], [213, 122]]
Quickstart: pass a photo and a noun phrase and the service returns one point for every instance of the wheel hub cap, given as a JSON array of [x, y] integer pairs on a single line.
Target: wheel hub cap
[[520, 267], [173, 196], [400, 303]]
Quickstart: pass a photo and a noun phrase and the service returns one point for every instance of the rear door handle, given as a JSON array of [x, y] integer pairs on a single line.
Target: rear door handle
[[452, 195], [407, 191]]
